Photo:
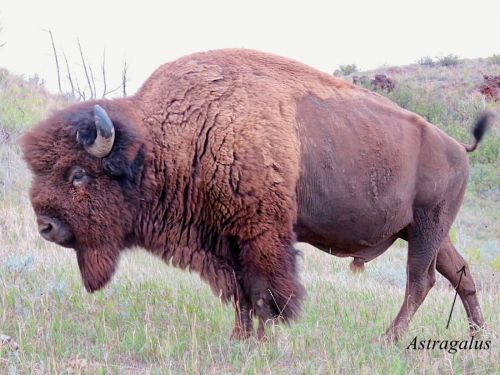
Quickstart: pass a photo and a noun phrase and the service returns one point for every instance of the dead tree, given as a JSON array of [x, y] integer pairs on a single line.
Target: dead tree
[[68, 76], [103, 69], [124, 78], [93, 81], [2, 44], [89, 90], [92, 95], [56, 59]]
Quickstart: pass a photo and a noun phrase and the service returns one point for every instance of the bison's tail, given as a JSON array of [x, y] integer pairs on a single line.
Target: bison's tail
[[480, 128]]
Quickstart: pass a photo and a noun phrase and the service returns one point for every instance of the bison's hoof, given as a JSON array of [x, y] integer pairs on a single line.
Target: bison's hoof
[[477, 331], [261, 335], [262, 338], [239, 334], [385, 339]]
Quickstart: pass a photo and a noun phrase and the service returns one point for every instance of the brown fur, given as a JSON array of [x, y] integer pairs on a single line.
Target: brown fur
[[223, 158]]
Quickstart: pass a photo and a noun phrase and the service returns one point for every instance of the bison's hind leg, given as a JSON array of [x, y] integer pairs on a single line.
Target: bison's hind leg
[[449, 262], [269, 277], [425, 235]]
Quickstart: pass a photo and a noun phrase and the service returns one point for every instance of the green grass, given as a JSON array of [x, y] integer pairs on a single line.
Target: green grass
[[155, 319], [24, 102]]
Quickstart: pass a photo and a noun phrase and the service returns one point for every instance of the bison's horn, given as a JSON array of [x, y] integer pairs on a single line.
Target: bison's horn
[[105, 134]]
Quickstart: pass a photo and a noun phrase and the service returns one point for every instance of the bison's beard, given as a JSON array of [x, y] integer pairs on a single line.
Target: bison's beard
[[97, 267]]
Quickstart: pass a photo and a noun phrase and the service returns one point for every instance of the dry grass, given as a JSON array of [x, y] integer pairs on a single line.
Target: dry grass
[[464, 77]]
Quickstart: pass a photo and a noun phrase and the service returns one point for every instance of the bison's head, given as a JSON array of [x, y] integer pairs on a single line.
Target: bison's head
[[87, 163]]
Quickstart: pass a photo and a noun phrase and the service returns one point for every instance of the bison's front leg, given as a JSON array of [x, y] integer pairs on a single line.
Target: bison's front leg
[[269, 277], [222, 278], [243, 325]]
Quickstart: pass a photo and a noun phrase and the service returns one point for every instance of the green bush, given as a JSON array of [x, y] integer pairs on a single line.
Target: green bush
[[345, 70], [426, 103], [448, 60], [495, 59], [484, 179], [24, 102], [426, 61]]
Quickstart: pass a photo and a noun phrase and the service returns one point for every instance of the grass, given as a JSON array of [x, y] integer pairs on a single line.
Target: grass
[[24, 102], [153, 319]]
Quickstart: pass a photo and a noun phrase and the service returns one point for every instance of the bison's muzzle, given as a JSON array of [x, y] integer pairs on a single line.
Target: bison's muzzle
[[54, 230]]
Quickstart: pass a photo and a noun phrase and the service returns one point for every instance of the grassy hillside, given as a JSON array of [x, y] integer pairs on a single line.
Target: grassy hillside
[[24, 102], [155, 319]]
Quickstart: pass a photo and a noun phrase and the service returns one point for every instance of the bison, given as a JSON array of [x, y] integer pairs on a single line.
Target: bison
[[224, 159]]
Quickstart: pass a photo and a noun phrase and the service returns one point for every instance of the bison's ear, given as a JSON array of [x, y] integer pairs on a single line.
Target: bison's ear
[[125, 160], [120, 166]]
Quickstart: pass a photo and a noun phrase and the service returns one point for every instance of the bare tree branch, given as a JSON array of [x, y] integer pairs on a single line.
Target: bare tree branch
[[81, 91], [124, 78], [56, 59], [113, 90], [70, 79], [2, 44], [103, 67], [85, 69], [81, 94], [93, 82]]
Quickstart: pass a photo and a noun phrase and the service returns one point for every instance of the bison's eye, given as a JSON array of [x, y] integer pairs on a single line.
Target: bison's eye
[[78, 177]]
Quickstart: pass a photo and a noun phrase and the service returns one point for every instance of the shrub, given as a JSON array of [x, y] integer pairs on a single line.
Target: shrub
[[448, 60], [484, 179], [345, 70], [495, 59], [426, 61], [427, 104], [363, 81], [24, 102]]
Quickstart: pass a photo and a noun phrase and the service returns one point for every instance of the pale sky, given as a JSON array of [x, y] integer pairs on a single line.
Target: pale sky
[[322, 34]]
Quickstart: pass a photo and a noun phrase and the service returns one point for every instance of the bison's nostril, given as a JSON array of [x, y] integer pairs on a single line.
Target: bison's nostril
[[45, 229]]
